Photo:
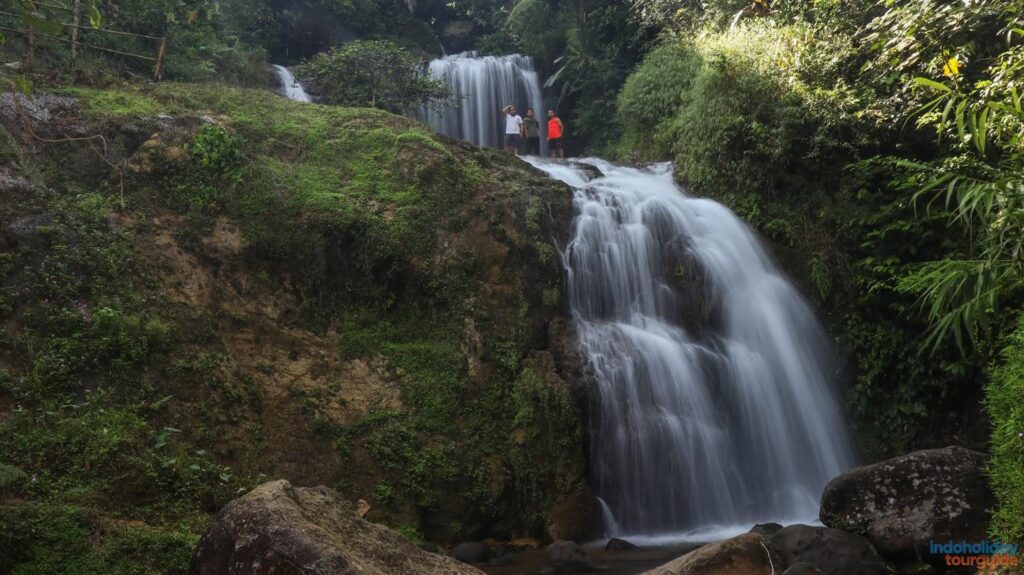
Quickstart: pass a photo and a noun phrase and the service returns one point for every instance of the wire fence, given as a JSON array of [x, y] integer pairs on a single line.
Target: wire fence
[[69, 33]]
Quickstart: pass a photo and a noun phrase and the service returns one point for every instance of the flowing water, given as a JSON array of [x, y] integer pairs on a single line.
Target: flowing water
[[290, 87], [713, 407], [483, 86]]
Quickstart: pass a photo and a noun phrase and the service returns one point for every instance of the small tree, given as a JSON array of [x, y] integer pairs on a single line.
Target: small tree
[[375, 74]]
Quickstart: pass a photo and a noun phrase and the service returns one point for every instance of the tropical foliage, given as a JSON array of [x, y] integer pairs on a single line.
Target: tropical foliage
[[375, 74]]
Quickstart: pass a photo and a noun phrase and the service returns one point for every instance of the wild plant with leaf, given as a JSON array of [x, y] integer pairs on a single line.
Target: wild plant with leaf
[[980, 180]]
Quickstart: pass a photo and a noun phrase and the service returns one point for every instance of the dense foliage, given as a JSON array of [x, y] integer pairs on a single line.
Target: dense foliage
[[878, 146], [375, 74]]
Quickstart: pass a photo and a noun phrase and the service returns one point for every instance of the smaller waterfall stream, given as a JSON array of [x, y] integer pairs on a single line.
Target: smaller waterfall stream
[[484, 85], [290, 86]]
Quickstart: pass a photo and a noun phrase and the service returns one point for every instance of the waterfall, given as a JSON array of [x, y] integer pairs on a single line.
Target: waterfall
[[483, 86], [713, 402], [290, 86]]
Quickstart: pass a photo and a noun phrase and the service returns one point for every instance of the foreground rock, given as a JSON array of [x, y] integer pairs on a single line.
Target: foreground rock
[[616, 544], [831, 551], [747, 554], [285, 530], [903, 503], [565, 557], [471, 552]]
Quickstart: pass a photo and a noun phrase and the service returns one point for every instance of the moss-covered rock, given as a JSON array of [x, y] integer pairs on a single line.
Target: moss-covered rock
[[230, 286]]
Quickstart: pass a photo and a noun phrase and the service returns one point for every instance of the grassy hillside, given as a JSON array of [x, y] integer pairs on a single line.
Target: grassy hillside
[[229, 287]]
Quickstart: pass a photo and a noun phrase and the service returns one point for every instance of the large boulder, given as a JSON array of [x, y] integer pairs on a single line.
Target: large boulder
[[565, 557], [903, 503], [832, 551], [285, 530], [747, 554]]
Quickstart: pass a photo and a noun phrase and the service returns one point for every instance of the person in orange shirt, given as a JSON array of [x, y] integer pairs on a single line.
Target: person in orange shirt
[[555, 130]]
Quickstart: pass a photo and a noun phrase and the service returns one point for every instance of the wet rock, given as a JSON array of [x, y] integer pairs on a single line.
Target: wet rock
[[747, 554], [471, 552], [802, 568], [766, 529], [574, 518], [832, 551], [14, 184], [285, 530], [27, 229], [903, 503], [590, 171], [917, 568], [616, 544], [565, 557]]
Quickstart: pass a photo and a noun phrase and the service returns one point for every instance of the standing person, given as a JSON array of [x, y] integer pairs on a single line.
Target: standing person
[[531, 129], [513, 129], [555, 130]]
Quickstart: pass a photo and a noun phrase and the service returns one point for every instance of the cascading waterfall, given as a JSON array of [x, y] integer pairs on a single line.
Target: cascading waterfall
[[483, 86], [713, 403], [290, 86]]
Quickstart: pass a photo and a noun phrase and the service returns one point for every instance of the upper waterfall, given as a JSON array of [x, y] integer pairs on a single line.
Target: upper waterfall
[[483, 85], [290, 86], [713, 402]]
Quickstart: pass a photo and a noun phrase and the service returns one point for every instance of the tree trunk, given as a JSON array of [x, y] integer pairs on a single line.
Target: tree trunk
[[75, 20], [30, 58]]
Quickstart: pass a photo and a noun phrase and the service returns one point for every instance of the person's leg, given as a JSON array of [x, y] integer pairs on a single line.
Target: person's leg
[[515, 145]]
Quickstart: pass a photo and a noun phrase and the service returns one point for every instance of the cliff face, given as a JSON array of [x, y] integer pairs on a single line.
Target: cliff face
[[228, 287]]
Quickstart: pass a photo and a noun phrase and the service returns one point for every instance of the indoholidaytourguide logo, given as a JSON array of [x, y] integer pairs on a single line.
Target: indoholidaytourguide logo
[[981, 554]]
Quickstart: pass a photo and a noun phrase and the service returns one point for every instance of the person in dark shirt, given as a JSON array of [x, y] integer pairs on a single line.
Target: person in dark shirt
[[531, 128]]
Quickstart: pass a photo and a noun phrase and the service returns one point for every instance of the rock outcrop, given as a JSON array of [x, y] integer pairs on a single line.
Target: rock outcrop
[[285, 530], [901, 504], [747, 554], [832, 551], [565, 557]]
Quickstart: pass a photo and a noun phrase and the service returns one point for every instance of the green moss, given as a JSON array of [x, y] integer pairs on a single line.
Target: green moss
[[1005, 401], [124, 102], [40, 539]]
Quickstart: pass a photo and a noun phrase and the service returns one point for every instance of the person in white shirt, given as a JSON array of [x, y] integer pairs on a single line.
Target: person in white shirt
[[513, 129]]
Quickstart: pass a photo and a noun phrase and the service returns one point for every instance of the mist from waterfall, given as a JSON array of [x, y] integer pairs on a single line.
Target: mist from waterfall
[[483, 86], [713, 400]]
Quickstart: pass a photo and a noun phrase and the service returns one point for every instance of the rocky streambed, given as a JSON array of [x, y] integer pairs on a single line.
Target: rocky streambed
[[878, 519]]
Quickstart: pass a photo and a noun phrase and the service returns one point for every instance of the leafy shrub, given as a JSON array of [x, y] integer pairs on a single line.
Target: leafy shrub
[[375, 74], [652, 97], [1005, 401], [218, 152]]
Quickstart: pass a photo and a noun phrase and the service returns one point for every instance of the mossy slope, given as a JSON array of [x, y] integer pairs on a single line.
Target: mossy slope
[[277, 290]]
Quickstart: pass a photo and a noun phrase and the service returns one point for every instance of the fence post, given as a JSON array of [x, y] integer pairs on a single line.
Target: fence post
[[30, 58], [158, 71], [75, 19]]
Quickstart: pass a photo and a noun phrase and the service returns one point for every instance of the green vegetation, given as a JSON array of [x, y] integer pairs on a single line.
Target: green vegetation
[[131, 409], [1005, 400], [375, 74]]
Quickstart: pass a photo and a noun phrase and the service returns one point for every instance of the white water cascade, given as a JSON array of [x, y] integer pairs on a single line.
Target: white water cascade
[[483, 85], [713, 403], [290, 87]]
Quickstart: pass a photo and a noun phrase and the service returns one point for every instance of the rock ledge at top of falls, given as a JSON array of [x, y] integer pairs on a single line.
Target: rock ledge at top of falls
[[747, 554], [285, 530], [903, 503]]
